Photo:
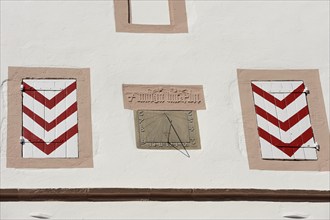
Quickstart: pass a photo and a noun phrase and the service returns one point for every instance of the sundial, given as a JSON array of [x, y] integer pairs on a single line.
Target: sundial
[[165, 115], [166, 129]]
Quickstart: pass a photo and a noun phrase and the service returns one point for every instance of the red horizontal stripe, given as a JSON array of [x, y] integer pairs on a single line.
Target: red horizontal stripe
[[288, 148], [50, 147], [279, 103], [50, 125], [49, 103], [286, 125]]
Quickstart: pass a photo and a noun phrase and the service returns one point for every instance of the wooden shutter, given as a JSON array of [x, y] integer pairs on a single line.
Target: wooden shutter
[[50, 126], [284, 126]]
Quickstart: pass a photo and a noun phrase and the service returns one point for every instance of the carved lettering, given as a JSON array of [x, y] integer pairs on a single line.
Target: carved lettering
[[130, 97], [165, 96]]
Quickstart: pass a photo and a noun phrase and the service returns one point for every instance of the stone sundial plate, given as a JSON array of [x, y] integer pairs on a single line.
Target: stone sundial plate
[[166, 130]]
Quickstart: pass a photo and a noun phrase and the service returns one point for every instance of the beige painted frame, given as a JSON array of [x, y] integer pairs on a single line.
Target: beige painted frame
[[14, 148], [178, 19], [317, 113]]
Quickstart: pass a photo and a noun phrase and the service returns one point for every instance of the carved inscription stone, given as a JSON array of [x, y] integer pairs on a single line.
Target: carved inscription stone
[[166, 130], [163, 97]]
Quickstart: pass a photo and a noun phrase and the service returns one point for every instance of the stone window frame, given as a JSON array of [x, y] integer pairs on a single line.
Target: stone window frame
[[317, 114], [177, 12], [15, 120]]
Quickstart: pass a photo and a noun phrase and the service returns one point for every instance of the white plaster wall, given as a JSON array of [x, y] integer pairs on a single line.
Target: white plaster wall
[[164, 210], [223, 36]]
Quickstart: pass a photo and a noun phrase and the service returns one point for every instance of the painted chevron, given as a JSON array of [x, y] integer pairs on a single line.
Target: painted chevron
[[284, 127], [291, 97], [49, 103], [50, 147], [50, 125]]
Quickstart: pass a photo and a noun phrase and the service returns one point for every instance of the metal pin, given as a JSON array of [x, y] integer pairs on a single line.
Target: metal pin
[[21, 140], [306, 90]]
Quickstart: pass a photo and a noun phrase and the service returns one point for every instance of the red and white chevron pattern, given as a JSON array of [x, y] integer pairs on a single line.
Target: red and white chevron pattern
[[50, 126], [284, 126]]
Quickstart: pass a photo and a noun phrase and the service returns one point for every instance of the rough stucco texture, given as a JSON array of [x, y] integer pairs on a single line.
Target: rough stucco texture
[[223, 36]]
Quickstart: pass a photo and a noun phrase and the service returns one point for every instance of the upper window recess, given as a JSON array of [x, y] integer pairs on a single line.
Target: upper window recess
[[151, 16], [150, 12]]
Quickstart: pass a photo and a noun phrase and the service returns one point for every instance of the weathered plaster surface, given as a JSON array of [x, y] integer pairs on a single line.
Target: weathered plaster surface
[[161, 210], [223, 36]]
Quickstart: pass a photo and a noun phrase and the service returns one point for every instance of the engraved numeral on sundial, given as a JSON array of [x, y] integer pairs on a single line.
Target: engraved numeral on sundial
[[141, 119], [193, 141]]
